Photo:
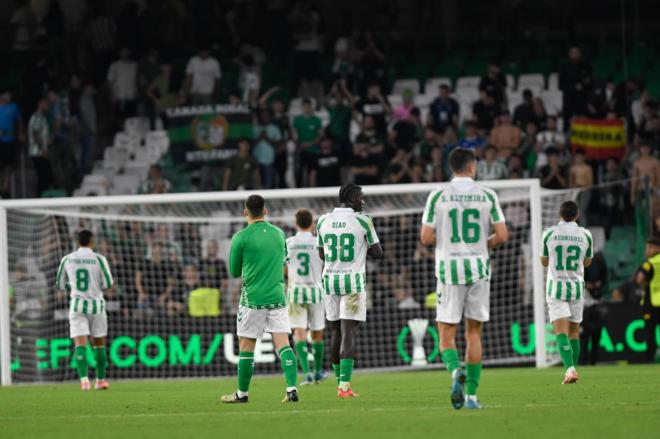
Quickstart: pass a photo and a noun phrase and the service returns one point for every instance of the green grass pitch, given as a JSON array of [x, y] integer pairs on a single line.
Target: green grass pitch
[[608, 402]]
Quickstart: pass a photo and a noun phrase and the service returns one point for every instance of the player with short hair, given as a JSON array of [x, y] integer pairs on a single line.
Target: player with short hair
[[305, 294], [567, 250], [88, 274], [457, 220], [345, 237], [258, 253]]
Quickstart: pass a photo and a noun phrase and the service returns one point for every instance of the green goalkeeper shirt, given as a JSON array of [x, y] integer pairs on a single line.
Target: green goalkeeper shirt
[[258, 254]]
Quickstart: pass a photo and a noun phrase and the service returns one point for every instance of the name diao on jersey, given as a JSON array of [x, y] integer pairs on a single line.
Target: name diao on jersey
[[339, 224]]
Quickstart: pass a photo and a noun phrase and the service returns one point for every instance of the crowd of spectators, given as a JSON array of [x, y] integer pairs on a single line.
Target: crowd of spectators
[[363, 136], [348, 128]]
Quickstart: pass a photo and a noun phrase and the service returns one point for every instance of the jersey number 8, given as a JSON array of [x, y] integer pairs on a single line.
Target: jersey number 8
[[345, 250], [82, 280]]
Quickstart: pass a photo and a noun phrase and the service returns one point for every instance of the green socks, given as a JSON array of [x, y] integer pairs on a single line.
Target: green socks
[[565, 350], [81, 361], [288, 360], [101, 362], [335, 367], [473, 377], [319, 349], [245, 370], [450, 358], [575, 345], [345, 372], [302, 352]]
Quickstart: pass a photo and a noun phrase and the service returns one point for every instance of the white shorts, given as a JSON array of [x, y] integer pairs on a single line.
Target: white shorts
[[456, 301], [309, 316], [565, 309], [346, 307], [81, 324], [252, 323]]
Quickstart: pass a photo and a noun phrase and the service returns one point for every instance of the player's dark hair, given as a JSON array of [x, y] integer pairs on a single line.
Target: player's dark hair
[[654, 240], [255, 205], [347, 192], [84, 237], [568, 211], [459, 159], [304, 218]]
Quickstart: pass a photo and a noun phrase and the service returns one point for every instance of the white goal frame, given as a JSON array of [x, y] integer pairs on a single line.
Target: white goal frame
[[532, 185]]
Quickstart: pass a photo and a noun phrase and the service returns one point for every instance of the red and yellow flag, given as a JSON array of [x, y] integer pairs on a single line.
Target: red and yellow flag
[[600, 138]]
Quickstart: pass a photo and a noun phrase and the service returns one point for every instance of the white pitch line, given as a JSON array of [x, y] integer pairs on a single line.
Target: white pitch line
[[233, 413]]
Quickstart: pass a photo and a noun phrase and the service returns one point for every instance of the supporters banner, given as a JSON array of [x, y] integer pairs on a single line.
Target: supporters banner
[[204, 133], [600, 138], [165, 347]]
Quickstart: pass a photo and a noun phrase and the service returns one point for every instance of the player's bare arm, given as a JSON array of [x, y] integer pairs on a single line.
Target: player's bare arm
[[427, 235], [500, 236]]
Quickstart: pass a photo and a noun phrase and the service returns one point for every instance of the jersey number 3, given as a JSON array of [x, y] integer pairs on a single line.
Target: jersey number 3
[[303, 270], [471, 232], [345, 250]]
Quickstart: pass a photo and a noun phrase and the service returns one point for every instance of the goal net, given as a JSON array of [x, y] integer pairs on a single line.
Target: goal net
[[172, 310]]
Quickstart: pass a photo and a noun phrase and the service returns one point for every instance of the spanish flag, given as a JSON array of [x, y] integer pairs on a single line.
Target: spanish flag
[[600, 138]]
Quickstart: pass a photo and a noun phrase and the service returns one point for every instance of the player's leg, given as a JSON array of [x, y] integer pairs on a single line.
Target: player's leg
[[98, 343], [99, 331], [250, 325], [473, 358], [559, 312], [335, 346], [574, 340], [316, 325], [277, 323], [352, 311], [577, 309], [449, 310], [331, 305], [477, 311], [79, 331], [288, 362], [298, 318], [318, 349], [80, 343]]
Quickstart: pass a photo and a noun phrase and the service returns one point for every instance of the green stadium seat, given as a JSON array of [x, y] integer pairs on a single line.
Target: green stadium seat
[[54, 193], [476, 68], [541, 65]]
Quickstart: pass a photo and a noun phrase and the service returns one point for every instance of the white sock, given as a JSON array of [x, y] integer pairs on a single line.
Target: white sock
[[453, 374], [84, 380], [570, 369], [344, 385], [291, 389], [241, 394], [471, 398]]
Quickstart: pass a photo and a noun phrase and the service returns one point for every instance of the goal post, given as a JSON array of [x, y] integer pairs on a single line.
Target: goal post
[[35, 234]]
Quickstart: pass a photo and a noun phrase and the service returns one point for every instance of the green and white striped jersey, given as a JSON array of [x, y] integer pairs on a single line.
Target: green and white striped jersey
[[305, 269], [462, 213], [88, 275], [345, 236], [566, 245]]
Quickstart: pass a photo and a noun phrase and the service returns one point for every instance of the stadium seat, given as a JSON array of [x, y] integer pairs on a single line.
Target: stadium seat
[[514, 99], [553, 81], [158, 140], [469, 95], [552, 99], [424, 100], [468, 82], [401, 85], [115, 157], [533, 81], [395, 99], [125, 184], [510, 82], [137, 168], [95, 179], [432, 85], [138, 126]]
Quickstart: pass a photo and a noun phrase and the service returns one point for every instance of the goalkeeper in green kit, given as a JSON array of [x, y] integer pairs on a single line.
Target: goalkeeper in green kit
[[258, 253]]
